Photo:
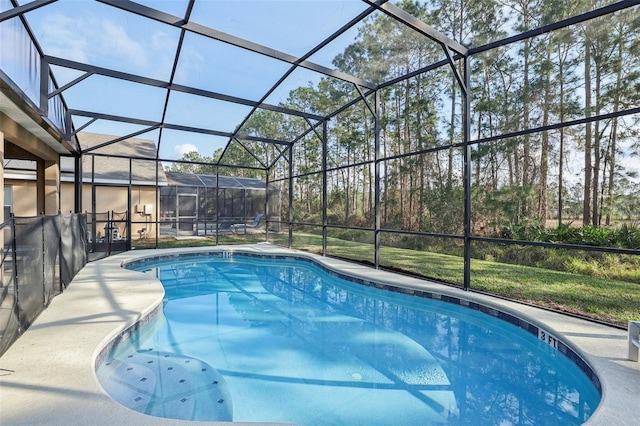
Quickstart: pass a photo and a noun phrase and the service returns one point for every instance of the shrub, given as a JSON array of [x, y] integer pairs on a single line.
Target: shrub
[[628, 236]]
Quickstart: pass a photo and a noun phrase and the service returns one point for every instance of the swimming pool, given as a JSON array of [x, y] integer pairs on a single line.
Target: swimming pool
[[277, 339]]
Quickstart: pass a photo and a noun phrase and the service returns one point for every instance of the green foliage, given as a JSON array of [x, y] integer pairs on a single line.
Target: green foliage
[[621, 267], [504, 205], [194, 163], [567, 233], [525, 231], [626, 236]]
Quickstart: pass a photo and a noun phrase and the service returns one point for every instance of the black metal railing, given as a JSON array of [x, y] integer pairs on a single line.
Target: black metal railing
[[107, 234]]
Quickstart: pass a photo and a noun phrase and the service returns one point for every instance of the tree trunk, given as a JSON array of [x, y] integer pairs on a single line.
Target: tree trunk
[[526, 99], [586, 203], [614, 136], [561, 148], [596, 155], [544, 149], [454, 86]]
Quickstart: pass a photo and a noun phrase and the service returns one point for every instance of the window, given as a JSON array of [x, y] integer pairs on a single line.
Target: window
[[8, 201]]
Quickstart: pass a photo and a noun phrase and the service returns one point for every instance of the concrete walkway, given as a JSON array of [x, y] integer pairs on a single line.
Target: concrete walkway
[[48, 378]]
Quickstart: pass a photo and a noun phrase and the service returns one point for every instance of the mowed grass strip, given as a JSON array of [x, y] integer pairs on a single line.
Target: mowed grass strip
[[603, 299]]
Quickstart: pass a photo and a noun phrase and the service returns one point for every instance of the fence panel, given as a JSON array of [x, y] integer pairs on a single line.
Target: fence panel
[[74, 246], [50, 252], [9, 324], [29, 268], [40, 256]]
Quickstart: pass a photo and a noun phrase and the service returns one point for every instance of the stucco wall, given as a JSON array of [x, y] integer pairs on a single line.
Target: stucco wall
[[115, 199], [25, 197]]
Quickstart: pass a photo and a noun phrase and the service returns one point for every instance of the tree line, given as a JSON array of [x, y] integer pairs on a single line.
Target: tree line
[[587, 75]]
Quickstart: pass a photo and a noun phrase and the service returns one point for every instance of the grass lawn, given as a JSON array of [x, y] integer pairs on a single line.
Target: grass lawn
[[200, 242], [604, 299]]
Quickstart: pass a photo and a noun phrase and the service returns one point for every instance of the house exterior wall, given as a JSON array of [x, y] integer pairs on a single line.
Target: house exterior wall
[[25, 197], [67, 202], [43, 195], [17, 142], [140, 220], [114, 198], [51, 187]]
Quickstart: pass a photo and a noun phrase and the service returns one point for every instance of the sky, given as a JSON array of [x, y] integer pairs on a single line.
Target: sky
[[96, 34], [100, 35]]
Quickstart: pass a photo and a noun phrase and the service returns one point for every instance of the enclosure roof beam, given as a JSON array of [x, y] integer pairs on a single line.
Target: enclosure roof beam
[[120, 139], [250, 153], [169, 160], [175, 21], [362, 94], [606, 10], [85, 125], [151, 123], [235, 166], [366, 102], [456, 73], [263, 139], [315, 130], [111, 117], [416, 24], [177, 87], [310, 53], [20, 10], [280, 155], [412, 74], [176, 58], [68, 85]]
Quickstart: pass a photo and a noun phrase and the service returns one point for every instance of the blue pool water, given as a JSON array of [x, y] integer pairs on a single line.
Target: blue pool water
[[276, 340]]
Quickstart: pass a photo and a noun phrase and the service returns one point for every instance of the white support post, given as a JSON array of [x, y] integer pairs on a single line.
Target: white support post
[[634, 340]]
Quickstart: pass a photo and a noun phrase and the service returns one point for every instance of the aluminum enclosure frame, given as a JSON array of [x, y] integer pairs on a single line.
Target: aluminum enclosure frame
[[457, 57]]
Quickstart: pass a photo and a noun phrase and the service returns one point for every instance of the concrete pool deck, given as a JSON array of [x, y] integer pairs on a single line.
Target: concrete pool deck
[[48, 375]]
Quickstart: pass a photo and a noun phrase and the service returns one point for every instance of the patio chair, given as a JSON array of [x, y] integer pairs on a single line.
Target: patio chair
[[244, 226], [224, 227]]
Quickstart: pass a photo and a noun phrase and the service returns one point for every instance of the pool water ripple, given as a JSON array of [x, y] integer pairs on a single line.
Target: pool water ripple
[[278, 340]]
